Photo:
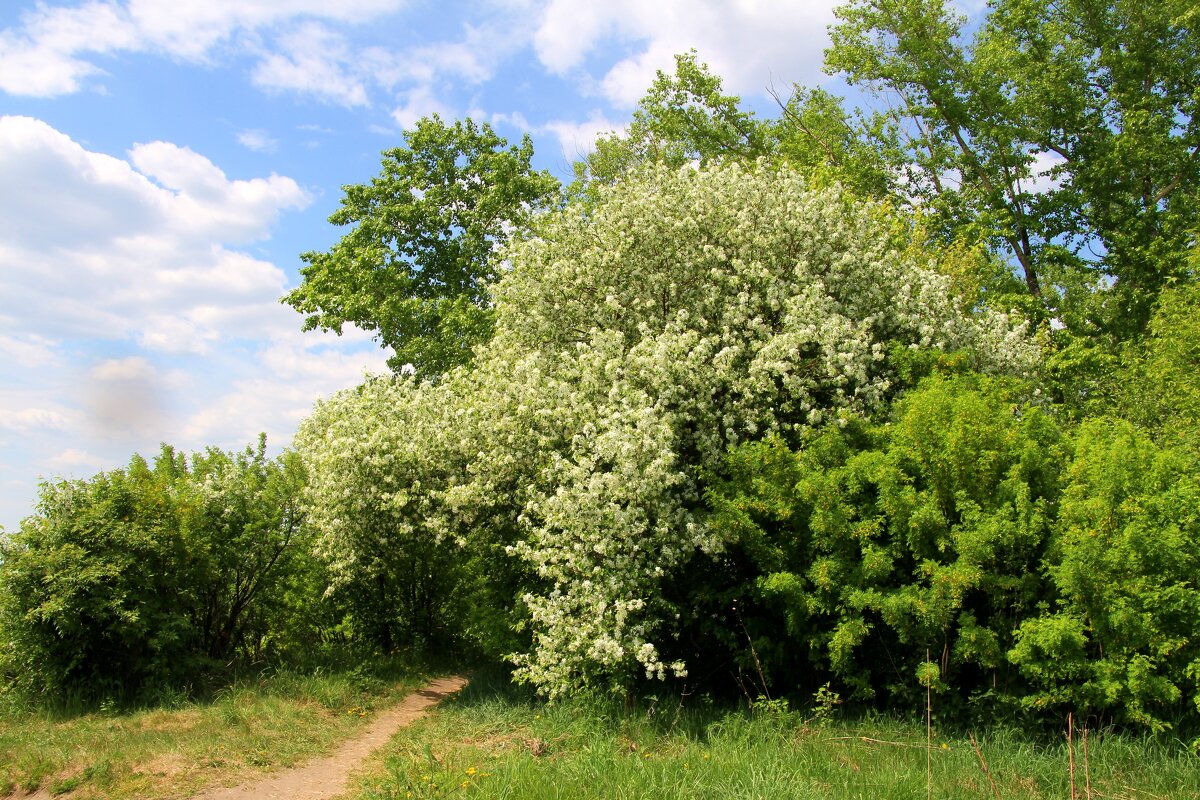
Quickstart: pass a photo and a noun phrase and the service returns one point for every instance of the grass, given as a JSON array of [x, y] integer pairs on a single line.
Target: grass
[[497, 742], [274, 720]]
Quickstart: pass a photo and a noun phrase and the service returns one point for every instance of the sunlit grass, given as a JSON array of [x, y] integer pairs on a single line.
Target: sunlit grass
[[497, 743], [273, 720]]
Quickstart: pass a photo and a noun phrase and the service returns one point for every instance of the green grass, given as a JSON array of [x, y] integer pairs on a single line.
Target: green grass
[[496, 742], [274, 720]]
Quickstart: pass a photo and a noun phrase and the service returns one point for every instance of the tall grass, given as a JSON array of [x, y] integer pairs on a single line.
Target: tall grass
[[497, 742]]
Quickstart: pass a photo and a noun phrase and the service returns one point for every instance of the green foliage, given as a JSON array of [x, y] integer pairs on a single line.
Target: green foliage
[[683, 118], [382, 458], [685, 310], [874, 544], [144, 577], [1121, 637], [1159, 388], [817, 136], [415, 265], [91, 587], [1065, 132]]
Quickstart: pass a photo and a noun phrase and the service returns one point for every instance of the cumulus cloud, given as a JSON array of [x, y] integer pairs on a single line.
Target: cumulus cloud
[[300, 46], [74, 460], [292, 371], [130, 316], [315, 60], [417, 103], [746, 43], [28, 419], [26, 350], [124, 397], [44, 57], [54, 49], [577, 139], [1044, 173], [95, 245]]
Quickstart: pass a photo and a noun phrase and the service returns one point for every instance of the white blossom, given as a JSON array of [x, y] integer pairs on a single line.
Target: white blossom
[[687, 311]]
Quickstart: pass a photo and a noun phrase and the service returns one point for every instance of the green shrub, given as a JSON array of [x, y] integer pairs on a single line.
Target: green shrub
[[1121, 637], [875, 544], [145, 577]]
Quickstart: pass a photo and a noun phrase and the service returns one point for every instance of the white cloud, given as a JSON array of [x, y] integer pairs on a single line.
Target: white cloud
[[124, 397], [73, 460], [258, 140], [42, 58], [1043, 173], [26, 350], [129, 317], [92, 245], [576, 138], [744, 42], [54, 49], [568, 30], [294, 371], [300, 46], [314, 60], [419, 102], [579, 138], [28, 419], [190, 28]]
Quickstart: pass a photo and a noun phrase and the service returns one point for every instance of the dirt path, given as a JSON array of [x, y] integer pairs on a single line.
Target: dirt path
[[327, 777]]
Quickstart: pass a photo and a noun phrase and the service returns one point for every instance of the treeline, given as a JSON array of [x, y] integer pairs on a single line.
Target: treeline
[[838, 402]]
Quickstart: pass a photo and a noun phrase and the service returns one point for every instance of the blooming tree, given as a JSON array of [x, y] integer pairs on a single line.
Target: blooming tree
[[636, 341]]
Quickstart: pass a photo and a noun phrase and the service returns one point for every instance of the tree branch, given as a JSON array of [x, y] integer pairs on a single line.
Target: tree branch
[[794, 117]]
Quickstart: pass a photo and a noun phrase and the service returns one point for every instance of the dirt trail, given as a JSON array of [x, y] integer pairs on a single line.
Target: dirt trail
[[327, 777]]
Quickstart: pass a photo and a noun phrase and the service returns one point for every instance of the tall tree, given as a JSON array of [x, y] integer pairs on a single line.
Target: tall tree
[[816, 134], [684, 117], [415, 266], [1065, 132]]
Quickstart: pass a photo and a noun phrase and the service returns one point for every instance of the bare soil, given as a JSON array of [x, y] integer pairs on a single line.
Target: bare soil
[[329, 777]]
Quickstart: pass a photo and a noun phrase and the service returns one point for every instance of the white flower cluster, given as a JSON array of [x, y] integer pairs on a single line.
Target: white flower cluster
[[636, 341]]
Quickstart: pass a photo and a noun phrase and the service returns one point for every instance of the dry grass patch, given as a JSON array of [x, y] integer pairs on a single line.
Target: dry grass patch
[[248, 729]]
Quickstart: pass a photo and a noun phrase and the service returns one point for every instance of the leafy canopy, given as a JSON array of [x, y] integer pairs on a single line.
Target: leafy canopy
[[1064, 132], [149, 576], [420, 253]]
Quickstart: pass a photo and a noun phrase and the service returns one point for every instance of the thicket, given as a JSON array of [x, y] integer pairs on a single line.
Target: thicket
[[157, 576], [765, 406]]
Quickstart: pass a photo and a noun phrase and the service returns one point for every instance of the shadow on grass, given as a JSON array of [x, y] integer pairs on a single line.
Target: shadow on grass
[[331, 676]]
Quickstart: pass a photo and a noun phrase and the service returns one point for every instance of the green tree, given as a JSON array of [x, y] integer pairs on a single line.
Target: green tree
[[815, 134], [874, 544], [1159, 388], [1121, 637], [415, 266], [684, 117], [90, 587], [242, 524], [1066, 133]]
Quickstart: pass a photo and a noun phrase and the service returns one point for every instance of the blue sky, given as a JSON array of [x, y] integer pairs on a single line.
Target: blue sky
[[164, 162]]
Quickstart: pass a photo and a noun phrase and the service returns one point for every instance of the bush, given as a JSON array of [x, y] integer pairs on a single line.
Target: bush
[[1120, 638], [146, 577], [875, 544]]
